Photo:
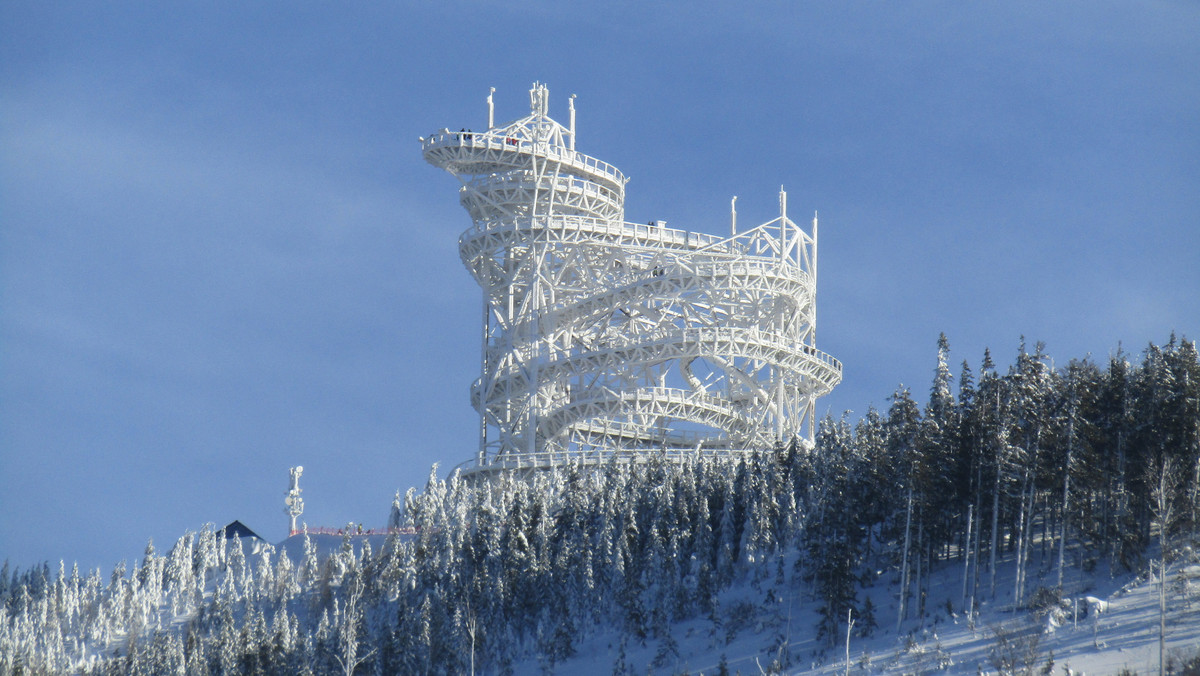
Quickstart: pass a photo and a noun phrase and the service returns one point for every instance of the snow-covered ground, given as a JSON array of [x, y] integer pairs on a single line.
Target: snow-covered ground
[[762, 622], [1123, 636]]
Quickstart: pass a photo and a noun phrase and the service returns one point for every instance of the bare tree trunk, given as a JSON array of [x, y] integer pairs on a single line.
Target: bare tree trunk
[[903, 610], [849, 626], [1162, 613], [975, 577], [1020, 551], [920, 579], [995, 529], [1046, 525], [472, 626], [1062, 534], [1162, 481], [967, 555], [1023, 529], [1122, 481]]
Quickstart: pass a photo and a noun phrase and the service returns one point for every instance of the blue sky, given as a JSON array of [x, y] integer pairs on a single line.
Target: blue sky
[[221, 253]]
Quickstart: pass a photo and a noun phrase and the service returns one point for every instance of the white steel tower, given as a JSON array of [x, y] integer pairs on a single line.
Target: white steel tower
[[603, 338]]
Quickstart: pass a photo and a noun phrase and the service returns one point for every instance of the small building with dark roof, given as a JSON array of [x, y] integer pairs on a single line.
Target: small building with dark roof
[[237, 529]]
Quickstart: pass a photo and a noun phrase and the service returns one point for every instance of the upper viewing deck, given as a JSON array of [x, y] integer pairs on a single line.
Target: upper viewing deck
[[474, 152], [534, 143]]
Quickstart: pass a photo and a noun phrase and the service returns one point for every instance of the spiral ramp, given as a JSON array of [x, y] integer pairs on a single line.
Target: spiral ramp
[[603, 338]]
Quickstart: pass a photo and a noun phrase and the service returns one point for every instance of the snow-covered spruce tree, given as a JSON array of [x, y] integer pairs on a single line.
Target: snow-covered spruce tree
[[903, 449], [944, 472], [971, 450], [1115, 531], [1075, 400], [835, 534], [1166, 412], [1030, 387]]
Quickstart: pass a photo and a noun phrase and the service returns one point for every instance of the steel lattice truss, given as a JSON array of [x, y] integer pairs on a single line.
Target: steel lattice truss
[[604, 338]]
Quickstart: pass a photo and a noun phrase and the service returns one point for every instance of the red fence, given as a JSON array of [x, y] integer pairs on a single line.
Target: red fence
[[354, 531]]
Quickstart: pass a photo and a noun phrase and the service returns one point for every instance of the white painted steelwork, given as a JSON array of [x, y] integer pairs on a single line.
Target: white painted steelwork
[[604, 338]]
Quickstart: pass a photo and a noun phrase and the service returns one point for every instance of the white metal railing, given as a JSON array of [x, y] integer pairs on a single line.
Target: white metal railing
[[562, 183], [567, 413], [719, 340], [579, 309], [670, 438], [544, 460], [495, 141], [624, 231]]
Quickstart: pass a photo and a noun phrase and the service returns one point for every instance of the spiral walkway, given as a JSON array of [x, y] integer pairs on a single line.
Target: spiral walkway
[[604, 338]]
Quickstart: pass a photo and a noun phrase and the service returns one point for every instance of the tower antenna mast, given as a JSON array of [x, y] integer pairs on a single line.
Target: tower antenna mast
[[294, 504]]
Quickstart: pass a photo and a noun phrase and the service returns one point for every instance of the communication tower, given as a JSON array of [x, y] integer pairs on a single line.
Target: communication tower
[[293, 503], [604, 338]]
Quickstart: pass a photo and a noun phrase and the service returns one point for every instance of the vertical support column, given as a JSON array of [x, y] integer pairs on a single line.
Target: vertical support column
[[539, 248], [783, 225], [483, 372], [781, 320], [491, 109], [733, 217], [812, 330], [813, 273], [571, 106]]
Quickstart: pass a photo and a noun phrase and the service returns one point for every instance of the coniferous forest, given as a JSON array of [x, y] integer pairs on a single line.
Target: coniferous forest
[[1088, 462]]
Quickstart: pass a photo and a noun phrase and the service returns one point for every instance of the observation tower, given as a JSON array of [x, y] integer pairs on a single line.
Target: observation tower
[[604, 338]]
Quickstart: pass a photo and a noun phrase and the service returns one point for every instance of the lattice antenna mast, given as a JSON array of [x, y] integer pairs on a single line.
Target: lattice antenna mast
[[602, 337], [293, 503]]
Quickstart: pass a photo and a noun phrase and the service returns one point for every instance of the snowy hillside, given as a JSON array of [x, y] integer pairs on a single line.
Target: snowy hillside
[[1000, 639], [1123, 635]]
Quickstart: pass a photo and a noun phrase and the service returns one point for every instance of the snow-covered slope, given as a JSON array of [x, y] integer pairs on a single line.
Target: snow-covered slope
[[1124, 635], [1105, 623]]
